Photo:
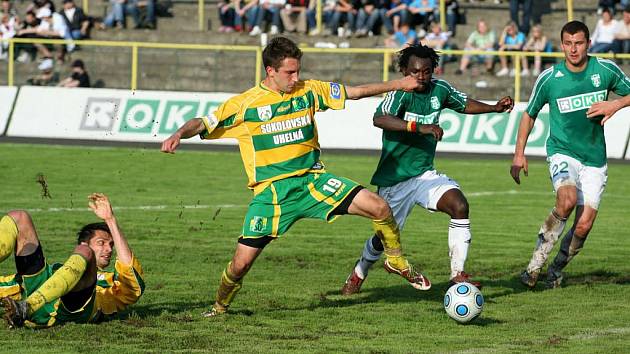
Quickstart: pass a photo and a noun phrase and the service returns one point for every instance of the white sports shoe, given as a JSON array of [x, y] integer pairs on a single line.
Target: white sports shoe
[[255, 31], [503, 72]]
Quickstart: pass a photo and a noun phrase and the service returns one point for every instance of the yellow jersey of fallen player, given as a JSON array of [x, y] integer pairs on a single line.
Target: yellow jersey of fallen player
[[276, 132]]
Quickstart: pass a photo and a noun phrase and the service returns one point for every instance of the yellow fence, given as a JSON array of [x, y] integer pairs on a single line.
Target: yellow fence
[[386, 53]]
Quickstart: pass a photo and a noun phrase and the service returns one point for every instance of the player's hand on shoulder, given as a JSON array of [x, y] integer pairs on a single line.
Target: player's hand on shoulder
[[170, 145], [505, 104], [100, 205], [432, 129], [408, 83], [518, 163]]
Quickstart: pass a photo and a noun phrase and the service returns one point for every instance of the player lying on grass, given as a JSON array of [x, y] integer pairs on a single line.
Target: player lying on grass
[[405, 175], [42, 294], [576, 91], [275, 127]]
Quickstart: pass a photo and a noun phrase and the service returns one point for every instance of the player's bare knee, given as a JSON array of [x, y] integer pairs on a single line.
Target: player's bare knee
[[565, 206], [381, 209], [21, 218], [459, 209], [240, 268]]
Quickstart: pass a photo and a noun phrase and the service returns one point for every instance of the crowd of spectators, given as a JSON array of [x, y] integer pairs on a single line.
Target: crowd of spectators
[[343, 18]]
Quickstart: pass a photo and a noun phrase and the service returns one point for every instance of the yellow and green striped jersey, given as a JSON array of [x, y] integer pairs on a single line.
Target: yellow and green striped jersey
[[276, 132]]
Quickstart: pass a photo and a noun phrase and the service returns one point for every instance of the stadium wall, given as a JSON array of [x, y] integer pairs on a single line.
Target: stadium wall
[[151, 116], [7, 97]]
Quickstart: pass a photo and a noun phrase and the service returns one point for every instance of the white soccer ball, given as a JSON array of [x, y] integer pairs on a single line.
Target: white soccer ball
[[463, 302]]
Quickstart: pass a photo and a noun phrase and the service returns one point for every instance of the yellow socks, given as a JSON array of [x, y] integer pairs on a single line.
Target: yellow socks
[[59, 284], [228, 287], [387, 231], [8, 237]]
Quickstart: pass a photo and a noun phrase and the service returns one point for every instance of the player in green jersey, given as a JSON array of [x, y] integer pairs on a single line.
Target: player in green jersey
[[405, 175], [576, 91], [275, 127]]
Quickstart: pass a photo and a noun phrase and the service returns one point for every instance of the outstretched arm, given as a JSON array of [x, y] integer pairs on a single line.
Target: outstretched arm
[[100, 205], [391, 123], [520, 161], [407, 83], [607, 108], [189, 129], [475, 107]]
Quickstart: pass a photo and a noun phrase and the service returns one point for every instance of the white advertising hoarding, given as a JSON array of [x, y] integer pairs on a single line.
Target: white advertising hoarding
[[151, 116], [7, 96]]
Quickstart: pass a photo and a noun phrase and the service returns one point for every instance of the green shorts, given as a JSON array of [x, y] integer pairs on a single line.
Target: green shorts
[[283, 202], [54, 312]]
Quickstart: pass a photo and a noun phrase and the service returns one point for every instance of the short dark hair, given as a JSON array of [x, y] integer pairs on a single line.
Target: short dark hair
[[420, 51], [279, 49], [78, 63], [87, 232], [627, 9], [574, 27]]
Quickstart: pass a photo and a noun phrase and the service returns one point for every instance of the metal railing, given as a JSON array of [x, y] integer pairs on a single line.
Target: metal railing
[[385, 52]]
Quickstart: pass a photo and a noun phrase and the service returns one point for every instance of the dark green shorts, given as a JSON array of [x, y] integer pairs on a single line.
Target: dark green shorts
[[53, 312], [277, 207]]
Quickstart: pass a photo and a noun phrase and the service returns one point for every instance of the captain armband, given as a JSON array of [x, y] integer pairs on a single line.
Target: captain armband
[[413, 127]]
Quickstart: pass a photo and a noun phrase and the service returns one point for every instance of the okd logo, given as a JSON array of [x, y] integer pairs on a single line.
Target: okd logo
[[141, 115], [579, 102]]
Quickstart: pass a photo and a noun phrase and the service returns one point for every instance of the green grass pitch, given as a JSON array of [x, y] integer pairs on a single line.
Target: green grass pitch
[[183, 212]]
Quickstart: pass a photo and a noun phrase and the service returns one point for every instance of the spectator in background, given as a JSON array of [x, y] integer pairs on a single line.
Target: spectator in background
[[345, 13], [294, 16], [47, 75], [36, 5], [142, 19], [247, 11], [9, 25], [51, 25], [79, 76], [511, 41], [115, 16], [28, 29], [371, 15], [6, 8], [328, 8], [604, 34], [438, 40], [405, 37], [481, 39], [452, 16], [422, 12], [522, 21], [77, 22], [622, 35], [396, 15], [227, 16], [537, 43], [269, 11]]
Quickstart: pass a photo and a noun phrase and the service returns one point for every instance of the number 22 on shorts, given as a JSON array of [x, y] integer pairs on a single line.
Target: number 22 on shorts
[[559, 168]]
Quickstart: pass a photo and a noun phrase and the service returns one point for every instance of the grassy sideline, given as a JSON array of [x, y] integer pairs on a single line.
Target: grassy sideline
[[193, 204]]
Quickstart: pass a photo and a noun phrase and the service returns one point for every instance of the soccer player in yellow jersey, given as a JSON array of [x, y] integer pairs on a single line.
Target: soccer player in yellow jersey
[[42, 295], [277, 135]]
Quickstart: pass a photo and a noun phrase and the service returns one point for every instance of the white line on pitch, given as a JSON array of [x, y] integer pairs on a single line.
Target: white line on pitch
[[141, 207]]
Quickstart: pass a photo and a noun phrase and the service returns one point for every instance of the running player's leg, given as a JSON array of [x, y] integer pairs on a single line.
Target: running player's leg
[[247, 250], [454, 203], [401, 202], [591, 186], [370, 205], [564, 177]]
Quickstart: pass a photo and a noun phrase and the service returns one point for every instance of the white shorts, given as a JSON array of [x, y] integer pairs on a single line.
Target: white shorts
[[589, 181], [424, 190]]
